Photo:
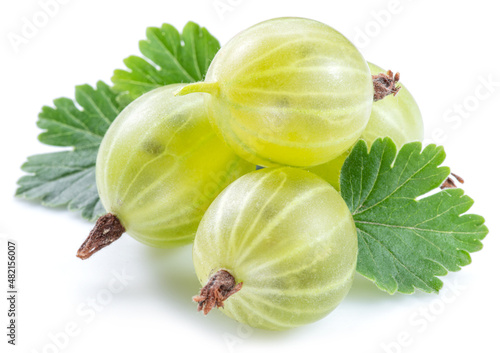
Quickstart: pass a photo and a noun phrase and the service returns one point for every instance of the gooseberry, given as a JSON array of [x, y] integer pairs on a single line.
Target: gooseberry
[[276, 249], [288, 91], [159, 167]]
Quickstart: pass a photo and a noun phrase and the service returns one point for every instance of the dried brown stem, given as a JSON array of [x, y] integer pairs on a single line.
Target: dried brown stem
[[450, 184], [106, 230], [219, 287], [459, 179], [385, 85]]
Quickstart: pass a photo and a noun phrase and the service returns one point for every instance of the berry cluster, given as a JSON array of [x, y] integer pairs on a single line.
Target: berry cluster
[[276, 247]]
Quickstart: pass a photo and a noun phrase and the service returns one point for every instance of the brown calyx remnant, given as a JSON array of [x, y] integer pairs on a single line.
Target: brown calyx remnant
[[106, 230], [219, 287], [385, 85], [450, 184]]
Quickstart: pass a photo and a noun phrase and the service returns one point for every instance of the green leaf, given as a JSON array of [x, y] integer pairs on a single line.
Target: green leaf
[[407, 238], [66, 125], [68, 177], [63, 178], [170, 57]]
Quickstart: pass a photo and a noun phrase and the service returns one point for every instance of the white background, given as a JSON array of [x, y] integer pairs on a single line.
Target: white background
[[445, 52]]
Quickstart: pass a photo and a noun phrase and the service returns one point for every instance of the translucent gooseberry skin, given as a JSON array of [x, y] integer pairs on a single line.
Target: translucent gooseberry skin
[[397, 117], [160, 165], [288, 91], [289, 237]]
